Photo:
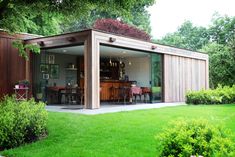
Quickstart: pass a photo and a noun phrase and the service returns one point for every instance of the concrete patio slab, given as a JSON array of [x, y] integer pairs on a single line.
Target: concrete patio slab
[[108, 108]]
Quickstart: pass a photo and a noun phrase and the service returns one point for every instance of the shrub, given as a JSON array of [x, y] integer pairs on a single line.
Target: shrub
[[195, 137], [220, 95], [21, 122], [118, 27]]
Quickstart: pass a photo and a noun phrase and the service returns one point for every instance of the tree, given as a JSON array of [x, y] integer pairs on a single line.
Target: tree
[[138, 17], [45, 16], [187, 36], [222, 64], [222, 50], [222, 30]]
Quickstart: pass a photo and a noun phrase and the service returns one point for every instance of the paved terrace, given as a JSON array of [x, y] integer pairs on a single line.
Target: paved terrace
[[106, 108]]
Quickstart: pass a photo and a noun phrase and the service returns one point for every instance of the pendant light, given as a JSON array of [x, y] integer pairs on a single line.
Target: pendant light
[[110, 61]]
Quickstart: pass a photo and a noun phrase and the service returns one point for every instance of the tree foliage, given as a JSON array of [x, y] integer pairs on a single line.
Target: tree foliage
[[34, 17], [45, 17], [222, 30], [187, 36], [23, 48], [138, 17], [221, 64]]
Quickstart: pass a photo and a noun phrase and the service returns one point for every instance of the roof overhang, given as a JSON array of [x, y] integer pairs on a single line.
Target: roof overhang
[[104, 38]]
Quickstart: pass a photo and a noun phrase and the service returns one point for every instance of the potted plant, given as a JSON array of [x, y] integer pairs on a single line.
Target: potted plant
[[23, 83], [39, 92]]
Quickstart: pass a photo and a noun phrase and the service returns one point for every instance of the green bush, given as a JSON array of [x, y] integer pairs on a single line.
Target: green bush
[[220, 95], [195, 137], [21, 122]]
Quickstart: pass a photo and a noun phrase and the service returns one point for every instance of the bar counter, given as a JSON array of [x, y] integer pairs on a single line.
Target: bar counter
[[107, 94]]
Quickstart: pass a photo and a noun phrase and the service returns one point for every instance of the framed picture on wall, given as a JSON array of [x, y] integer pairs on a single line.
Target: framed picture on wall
[[51, 59], [44, 68], [45, 76], [54, 71]]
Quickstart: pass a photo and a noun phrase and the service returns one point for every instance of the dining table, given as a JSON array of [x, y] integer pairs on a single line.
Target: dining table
[[57, 91]]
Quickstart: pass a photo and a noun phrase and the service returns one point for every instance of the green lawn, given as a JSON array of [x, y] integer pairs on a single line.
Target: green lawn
[[124, 134]]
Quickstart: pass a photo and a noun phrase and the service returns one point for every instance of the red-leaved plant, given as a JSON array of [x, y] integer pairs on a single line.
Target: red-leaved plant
[[118, 27]]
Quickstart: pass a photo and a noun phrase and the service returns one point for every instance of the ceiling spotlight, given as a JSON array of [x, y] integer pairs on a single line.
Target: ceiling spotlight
[[41, 43], [64, 50], [124, 52], [71, 39], [111, 39], [153, 47]]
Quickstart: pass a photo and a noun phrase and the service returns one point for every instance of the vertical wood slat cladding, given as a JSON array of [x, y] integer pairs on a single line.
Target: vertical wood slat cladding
[[3, 67], [181, 75], [12, 67], [16, 66]]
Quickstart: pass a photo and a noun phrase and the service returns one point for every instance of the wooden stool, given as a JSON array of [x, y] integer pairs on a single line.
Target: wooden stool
[[114, 93]]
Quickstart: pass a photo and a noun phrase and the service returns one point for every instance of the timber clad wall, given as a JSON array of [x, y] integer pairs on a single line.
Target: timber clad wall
[[182, 74], [12, 67]]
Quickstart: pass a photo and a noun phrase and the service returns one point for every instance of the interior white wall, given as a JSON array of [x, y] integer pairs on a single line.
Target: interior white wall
[[139, 70], [63, 60]]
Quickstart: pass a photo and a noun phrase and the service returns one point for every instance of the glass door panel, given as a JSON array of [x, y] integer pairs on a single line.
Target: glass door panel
[[156, 78]]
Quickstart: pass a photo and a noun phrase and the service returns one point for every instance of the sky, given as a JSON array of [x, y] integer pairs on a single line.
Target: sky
[[168, 15]]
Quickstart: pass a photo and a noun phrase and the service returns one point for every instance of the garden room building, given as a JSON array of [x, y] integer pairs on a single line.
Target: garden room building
[[95, 68]]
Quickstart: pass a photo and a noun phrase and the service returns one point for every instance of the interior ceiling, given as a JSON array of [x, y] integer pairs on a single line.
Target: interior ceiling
[[105, 51]]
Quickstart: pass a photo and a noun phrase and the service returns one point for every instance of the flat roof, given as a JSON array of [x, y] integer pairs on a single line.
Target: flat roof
[[106, 32]]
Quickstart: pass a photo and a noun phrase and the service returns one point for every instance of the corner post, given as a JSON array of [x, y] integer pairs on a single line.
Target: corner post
[[92, 72]]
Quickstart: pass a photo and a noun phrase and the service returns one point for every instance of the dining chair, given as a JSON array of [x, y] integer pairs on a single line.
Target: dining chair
[[146, 91], [80, 95], [136, 91], [124, 93], [70, 94]]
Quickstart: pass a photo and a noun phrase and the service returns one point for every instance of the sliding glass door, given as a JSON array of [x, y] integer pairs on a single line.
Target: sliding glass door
[[156, 78]]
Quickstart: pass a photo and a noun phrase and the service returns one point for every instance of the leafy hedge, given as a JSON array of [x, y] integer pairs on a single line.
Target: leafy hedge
[[194, 138], [21, 122], [220, 95]]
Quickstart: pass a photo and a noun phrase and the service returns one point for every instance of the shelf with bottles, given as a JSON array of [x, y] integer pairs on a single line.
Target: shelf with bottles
[[71, 69]]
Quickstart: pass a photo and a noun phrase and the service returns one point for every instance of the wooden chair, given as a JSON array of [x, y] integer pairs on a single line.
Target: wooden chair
[[124, 93], [70, 94], [80, 95]]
